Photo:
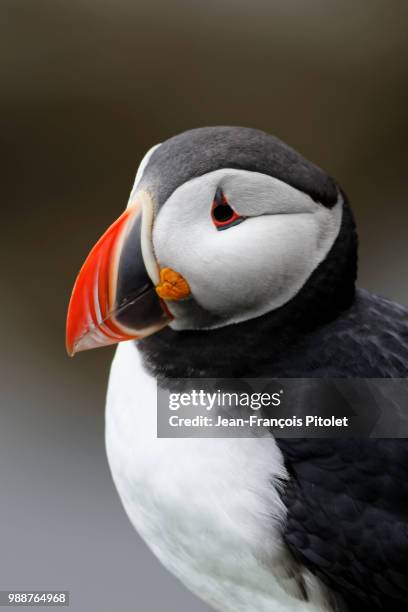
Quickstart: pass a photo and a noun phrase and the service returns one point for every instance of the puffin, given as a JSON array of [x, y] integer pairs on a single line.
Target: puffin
[[236, 257]]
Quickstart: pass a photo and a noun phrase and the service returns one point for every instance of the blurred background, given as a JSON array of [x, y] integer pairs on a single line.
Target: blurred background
[[86, 88]]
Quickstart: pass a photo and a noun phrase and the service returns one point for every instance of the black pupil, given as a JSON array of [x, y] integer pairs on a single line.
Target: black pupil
[[223, 213]]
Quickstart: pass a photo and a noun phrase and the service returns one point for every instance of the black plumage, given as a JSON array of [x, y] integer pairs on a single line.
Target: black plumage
[[347, 518]]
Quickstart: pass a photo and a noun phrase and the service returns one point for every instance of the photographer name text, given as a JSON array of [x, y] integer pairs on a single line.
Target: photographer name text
[[256, 421]]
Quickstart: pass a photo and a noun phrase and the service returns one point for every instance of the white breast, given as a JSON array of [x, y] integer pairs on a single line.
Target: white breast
[[208, 508]]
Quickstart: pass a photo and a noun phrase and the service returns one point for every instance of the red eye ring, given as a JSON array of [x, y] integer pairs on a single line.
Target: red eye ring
[[222, 213]]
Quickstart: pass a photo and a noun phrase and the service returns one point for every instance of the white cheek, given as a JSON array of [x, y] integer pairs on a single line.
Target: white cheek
[[258, 265], [183, 229], [249, 269]]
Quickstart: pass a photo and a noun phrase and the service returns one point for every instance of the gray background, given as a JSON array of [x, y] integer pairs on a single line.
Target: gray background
[[86, 87]]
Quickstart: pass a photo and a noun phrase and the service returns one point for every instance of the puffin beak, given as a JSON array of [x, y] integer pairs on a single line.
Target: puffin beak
[[114, 296]]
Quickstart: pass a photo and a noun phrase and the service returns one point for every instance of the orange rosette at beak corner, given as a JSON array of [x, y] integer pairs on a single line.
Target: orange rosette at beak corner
[[113, 298]]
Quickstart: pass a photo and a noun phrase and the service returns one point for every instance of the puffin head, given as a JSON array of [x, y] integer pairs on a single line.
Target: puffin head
[[223, 225]]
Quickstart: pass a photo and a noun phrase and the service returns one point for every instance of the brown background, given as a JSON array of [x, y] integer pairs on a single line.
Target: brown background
[[86, 88]]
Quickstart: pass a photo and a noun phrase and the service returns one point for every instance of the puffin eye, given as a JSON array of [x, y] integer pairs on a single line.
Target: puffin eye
[[223, 215]]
